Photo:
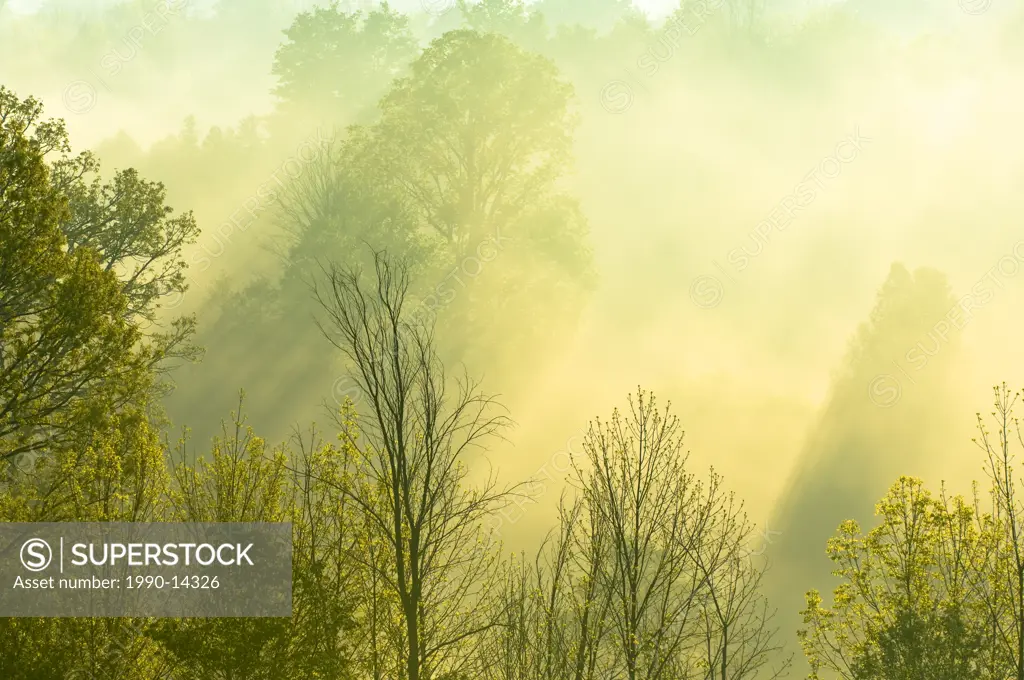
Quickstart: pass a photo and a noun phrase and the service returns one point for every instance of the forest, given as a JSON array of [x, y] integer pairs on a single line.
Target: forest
[[574, 339]]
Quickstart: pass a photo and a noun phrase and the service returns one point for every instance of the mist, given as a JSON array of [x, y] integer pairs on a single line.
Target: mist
[[800, 225]]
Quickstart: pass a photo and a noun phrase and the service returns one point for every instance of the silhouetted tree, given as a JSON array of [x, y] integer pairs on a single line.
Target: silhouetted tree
[[413, 448]]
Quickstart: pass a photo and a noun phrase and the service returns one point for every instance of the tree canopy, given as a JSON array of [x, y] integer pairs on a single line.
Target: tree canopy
[[84, 267]]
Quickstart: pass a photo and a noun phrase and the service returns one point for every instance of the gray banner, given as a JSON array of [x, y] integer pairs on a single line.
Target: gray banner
[[146, 569]]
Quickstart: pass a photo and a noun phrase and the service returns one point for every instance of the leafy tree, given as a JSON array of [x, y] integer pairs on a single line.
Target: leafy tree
[[127, 223], [471, 144], [475, 136], [905, 607], [371, 187], [113, 472], [513, 19], [333, 591], [240, 482], [866, 436], [475, 142], [82, 264], [335, 64]]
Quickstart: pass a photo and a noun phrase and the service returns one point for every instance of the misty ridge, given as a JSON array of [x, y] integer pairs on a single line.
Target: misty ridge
[[576, 339]]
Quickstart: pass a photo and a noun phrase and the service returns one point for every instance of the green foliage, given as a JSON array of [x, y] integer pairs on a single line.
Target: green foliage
[[476, 142], [335, 64], [476, 134], [513, 19], [83, 265], [912, 602], [240, 482], [935, 590]]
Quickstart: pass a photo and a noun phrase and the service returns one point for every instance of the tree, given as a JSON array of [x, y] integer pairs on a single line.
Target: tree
[[333, 592], [335, 64], [113, 473], [737, 635], [476, 135], [513, 19], [905, 607], [746, 16], [245, 481], [366, 189], [128, 224], [1002, 587], [552, 616], [652, 512], [83, 265], [241, 481], [80, 265], [474, 143], [413, 450], [681, 596], [866, 435], [338, 206]]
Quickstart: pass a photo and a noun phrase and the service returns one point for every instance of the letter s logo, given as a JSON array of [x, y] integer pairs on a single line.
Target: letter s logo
[[36, 554]]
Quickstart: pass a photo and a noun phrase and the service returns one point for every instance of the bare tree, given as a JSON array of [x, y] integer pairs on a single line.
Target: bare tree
[[1003, 589], [651, 510], [673, 567], [552, 613], [735, 618], [591, 602], [413, 446]]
